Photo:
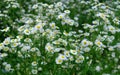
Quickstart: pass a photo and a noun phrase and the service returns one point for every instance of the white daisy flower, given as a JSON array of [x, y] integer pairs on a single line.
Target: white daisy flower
[[38, 26], [27, 31], [67, 53], [99, 43], [78, 61], [61, 16], [62, 57], [98, 68], [74, 52], [85, 42], [1, 46], [52, 25], [67, 11], [28, 40], [87, 49], [3, 55], [34, 63], [7, 67], [6, 41], [81, 57], [14, 44], [34, 71], [6, 29], [59, 61], [5, 48], [112, 29], [48, 47]]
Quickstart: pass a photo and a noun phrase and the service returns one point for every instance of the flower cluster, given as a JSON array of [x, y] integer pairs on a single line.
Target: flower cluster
[[60, 36]]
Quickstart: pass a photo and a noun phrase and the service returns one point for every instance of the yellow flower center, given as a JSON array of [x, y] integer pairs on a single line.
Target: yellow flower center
[[38, 26]]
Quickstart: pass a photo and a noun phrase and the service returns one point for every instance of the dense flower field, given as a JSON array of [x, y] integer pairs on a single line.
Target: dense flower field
[[59, 37]]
